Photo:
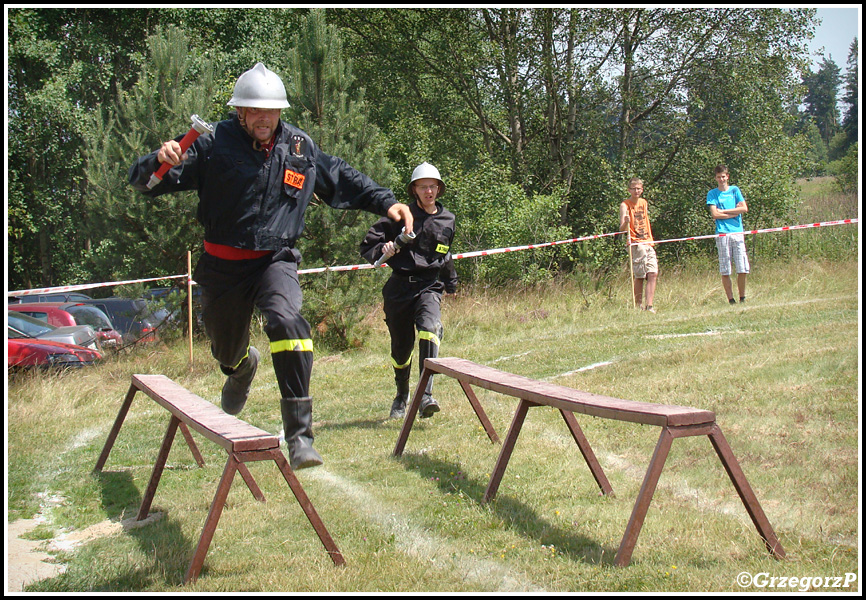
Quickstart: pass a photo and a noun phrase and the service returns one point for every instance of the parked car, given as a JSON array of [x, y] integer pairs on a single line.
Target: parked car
[[133, 318], [20, 325], [174, 301], [61, 314], [55, 297], [25, 353]]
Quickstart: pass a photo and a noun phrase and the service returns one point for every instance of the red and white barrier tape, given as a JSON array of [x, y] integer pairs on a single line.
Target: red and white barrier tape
[[86, 286], [533, 246], [753, 231], [70, 288]]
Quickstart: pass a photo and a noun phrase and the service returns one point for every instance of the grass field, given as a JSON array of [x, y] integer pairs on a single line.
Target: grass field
[[781, 373]]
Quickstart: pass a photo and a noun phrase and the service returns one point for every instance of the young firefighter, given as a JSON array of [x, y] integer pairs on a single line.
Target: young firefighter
[[255, 176], [633, 217], [727, 205], [421, 271]]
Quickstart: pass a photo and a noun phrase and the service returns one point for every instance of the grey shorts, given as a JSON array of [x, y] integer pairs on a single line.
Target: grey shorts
[[732, 248]]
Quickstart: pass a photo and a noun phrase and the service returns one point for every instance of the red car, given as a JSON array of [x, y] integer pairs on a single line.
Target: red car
[[61, 314], [30, 352]]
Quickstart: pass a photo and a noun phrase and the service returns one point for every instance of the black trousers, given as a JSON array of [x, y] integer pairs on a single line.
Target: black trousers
[[410, 305], [231, 289]]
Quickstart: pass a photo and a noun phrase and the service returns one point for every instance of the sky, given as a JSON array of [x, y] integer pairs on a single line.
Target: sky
[[839, 26]]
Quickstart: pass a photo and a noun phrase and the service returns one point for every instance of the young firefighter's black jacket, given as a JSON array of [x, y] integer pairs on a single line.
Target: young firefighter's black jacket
[[254, 200], [422, 270], [428, 257]]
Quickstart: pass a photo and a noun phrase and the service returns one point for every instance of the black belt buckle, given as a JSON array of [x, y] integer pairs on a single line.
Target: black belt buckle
[[416, 279]]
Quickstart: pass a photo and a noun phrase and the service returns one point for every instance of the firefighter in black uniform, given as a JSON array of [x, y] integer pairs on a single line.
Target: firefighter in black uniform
[[255, 176], [422, 270]]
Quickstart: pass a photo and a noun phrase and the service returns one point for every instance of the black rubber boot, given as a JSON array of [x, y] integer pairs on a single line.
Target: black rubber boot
[[298, 427], [401, 379], [429, 406], [236, 389]]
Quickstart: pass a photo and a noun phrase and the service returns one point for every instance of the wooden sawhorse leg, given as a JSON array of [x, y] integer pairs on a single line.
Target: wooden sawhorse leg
[[744, 490], [118, 423], [641, 505], [307, 506], [586, 451], [235, 463], [115, 429], [479, 412], [159, 466], [213, 517], [414, 405], [507, 449], [732, 467], [411, 411], [511, 439]]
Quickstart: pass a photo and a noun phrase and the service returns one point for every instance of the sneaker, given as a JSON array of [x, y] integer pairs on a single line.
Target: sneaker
[[650, 309], [731, 301], [429, 406], [742, 299]]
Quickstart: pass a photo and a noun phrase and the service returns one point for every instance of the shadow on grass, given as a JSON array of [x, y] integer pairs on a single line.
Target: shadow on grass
[[163, 541], [511, 511], [104, 565]]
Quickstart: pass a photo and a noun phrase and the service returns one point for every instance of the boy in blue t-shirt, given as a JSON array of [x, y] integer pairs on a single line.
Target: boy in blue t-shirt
[[727, 205]]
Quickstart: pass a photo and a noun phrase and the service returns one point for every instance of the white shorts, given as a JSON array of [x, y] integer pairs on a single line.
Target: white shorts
[[732, 248]]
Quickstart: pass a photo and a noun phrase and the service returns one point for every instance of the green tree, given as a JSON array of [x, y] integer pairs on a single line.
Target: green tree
[[134, 235], [327, 102], [822, 97], [850, 122], [576, 100], [847, 171], [62, 63]]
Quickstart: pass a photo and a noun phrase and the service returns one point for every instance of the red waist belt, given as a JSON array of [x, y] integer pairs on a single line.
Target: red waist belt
[[231, 253]]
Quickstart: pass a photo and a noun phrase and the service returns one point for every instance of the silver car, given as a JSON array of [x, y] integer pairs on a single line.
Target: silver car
[[21, 325]]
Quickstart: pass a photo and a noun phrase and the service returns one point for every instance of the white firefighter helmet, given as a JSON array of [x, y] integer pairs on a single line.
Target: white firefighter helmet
[[259, 88], [426, 171]]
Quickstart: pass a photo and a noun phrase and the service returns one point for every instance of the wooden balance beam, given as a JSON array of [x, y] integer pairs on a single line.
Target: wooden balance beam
[[243, 442], [675, 421]]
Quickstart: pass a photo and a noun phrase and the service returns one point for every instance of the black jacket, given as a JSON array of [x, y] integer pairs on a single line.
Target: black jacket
[[428, 256], [251, 200]]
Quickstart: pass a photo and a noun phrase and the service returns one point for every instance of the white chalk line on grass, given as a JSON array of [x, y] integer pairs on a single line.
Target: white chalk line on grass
[[666, 336], [415, 542], [582, 369]]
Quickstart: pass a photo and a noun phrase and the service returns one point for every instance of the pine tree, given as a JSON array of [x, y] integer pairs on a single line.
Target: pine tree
[[327, 103], [821, 98], [134, 235], [850, 123]]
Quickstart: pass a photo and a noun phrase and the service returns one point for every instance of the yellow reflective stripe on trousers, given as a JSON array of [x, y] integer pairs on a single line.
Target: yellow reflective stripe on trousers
[[426, 335], [292, 346], [408, 363], [243, 359]]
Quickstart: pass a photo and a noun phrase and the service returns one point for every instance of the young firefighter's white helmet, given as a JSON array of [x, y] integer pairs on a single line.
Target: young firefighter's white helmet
[[259, 88], [426, 171]]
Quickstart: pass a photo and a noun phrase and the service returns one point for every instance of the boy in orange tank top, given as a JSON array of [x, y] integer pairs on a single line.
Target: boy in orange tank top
[[633, 217]]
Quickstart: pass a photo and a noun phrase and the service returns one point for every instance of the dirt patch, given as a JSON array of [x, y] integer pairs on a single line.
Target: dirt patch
[[28, 561], [25, 561]]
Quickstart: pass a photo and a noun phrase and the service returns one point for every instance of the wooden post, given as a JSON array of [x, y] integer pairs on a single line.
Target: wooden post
[[631, 266], [189, 300]]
